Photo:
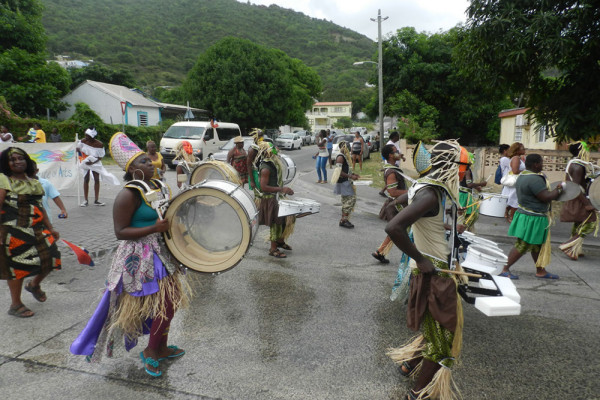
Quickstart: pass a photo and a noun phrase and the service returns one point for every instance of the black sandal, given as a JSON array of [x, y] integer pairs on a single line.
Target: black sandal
[[284, 246], [20, 311], [277, 254], [380, 257], [37, 292], [406, 365]]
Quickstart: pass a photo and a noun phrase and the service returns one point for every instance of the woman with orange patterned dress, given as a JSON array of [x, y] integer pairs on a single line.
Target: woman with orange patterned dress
[[27, 237]]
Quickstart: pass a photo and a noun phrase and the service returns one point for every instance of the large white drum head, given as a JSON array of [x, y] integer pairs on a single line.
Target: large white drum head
[[214, 170], [211, 226], [289, 169]]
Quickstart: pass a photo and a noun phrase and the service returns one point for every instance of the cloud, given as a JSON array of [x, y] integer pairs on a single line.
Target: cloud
[[424, 15]]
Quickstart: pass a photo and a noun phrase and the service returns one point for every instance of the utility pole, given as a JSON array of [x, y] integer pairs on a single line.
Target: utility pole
[[380, 77]]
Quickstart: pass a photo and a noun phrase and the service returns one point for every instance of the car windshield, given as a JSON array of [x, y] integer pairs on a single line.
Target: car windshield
[[184, 132], [347, 138], [286, 136]]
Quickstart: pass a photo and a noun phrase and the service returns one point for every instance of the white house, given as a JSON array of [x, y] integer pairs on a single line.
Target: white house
[[117, 105], [324, 114]]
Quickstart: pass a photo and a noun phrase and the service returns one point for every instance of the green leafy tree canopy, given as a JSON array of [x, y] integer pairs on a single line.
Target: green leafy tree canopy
[[547, 50], [239, 81]]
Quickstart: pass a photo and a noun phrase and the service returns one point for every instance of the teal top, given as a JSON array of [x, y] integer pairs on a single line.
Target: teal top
[[144, 216]]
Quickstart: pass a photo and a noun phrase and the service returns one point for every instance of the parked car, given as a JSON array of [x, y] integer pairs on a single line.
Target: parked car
[[222, 155], [348, 138], [289, 141], [373, 144], [305, 136], [273, 133]]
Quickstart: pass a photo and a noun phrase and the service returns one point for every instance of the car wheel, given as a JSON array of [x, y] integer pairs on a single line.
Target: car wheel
[[300, 147], [292, 147]]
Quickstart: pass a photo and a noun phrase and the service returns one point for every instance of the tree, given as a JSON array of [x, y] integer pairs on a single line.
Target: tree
[[424, 84], [101, 73], [237, 80], [546, 50], [29, 84]]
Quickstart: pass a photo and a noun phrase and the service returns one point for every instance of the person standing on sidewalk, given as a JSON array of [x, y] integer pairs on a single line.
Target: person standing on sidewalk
[[515, 153], [530, 223], [322, 157], [145, 285], [437, 349], [92, 151], [395, 186], [580, 210], [342, 178]]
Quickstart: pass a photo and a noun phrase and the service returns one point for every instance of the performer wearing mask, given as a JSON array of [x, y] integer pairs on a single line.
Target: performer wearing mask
[[342, 178], [580, 210], [186, 161], [435, 351], [143, 299], [271, 185], [395, 186], [253, 178]]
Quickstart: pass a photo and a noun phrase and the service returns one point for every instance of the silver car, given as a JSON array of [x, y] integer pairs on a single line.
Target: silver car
[[348, 138]]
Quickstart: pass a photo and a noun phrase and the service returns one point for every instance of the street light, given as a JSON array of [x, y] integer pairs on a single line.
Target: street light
[[380, 84], [379, 74]]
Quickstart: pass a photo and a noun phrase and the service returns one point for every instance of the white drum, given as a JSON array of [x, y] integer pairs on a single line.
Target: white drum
[[289, 169], [298, 206], [493, 204], [211, 226], [485, 259], [214, 169], [474, 239]]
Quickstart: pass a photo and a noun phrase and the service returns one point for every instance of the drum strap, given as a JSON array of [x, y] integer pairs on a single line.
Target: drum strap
[[148, 193]]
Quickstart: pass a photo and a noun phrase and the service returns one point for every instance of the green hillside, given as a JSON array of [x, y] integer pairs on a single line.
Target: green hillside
[[159, 41]]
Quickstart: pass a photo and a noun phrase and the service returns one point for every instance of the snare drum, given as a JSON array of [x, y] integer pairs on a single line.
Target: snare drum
[[298, 206], [485, 259], [211, 226], [289, 169], [214, 169], [493, 204]]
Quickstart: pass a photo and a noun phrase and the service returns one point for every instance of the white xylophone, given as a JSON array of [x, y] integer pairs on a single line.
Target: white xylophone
[[491, 294]]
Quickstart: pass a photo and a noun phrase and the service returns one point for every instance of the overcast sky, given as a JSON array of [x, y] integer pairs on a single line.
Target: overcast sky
[[425, 15]]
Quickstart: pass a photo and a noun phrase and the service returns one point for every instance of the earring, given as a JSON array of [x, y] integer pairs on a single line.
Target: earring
[[137, 169]]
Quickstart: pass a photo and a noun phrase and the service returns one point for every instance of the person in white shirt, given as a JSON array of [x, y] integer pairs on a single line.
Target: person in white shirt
[[5, 135]]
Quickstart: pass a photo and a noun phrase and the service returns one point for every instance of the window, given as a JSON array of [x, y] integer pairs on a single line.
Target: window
[[542, 134], [339, 109], [142, 118], [518, 134], [519, 120]]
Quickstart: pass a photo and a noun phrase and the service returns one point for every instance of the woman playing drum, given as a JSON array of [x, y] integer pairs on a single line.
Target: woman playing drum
[[145, 286]]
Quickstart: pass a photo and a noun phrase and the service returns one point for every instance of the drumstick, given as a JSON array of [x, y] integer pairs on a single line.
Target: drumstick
[[488, 178], [450, 271]]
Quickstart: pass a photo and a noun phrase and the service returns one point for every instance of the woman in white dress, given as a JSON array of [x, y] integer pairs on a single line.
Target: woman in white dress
[[92, 151], [516, 164]]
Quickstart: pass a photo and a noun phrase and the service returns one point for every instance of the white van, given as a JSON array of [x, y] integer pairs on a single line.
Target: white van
[[205, 139]]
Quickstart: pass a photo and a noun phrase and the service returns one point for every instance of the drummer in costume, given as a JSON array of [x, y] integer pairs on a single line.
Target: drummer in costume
[[238, 158], [395, 186], [531, 222], [580, 210], [252, 165], [342, 178], [431, 354], [465, 196], [186, 161], [271, 184], [145, 285]]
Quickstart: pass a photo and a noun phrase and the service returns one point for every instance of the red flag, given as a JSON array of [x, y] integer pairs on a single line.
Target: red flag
[[213, 123], [83, 256]]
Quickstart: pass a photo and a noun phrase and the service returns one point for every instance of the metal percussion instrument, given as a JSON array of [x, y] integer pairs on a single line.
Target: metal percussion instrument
[[289, 169], [298, 206], [594, 193], [211, 226], [571, 190]]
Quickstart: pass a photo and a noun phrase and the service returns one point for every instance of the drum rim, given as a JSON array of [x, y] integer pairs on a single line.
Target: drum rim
[[240, 251], [223, 167]]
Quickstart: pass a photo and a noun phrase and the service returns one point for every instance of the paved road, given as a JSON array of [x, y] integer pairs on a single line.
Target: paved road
[[313, 326]]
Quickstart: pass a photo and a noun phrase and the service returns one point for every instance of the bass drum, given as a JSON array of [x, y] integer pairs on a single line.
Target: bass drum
[[289, 169], [211, 226], [214, 170]]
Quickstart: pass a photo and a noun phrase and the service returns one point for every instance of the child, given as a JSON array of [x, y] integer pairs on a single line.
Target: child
[[50, 192]]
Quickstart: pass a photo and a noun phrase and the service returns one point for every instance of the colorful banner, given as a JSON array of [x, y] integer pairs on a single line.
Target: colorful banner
[[57, 162]]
